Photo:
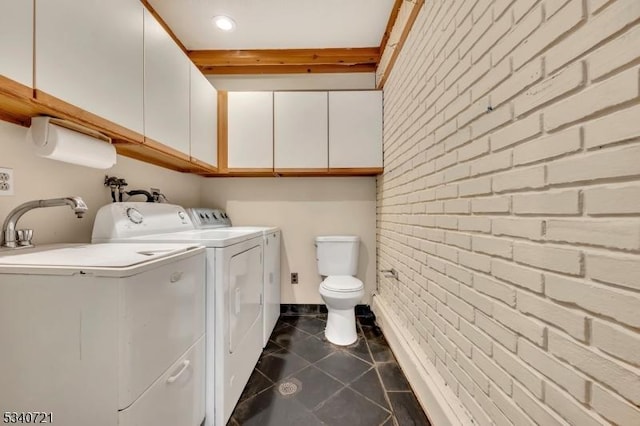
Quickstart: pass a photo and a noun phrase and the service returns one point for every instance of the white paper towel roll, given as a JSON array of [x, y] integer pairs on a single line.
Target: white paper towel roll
[[62, 144]]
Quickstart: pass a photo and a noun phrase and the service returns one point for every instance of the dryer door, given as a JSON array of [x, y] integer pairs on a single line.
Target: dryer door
[[245, 295], [271, 284]]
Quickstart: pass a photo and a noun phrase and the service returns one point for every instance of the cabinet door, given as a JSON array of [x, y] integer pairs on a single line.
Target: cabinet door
[[250, 130], [300, 130], [204, 118], [355, 129], [166, 88], [16, 40], [90, 54]]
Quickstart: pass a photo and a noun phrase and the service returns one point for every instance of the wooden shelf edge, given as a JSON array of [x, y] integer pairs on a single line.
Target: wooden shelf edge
[[15, 89], [356, 171], [301, 172], [50, 105], [236, 173], [170, 152], [158, 155], [206, 167], [336, 172]]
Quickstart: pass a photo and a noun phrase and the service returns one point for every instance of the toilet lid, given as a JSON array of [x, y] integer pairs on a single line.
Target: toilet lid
[[343, 283]]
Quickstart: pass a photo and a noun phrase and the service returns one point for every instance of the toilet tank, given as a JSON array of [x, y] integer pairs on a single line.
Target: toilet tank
[[337, 254]]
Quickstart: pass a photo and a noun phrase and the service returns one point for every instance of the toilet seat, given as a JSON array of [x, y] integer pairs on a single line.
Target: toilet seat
[[342, 284]]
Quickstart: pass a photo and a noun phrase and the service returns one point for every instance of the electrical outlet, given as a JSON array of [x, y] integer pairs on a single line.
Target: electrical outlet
[[6, 181], [294, 278]]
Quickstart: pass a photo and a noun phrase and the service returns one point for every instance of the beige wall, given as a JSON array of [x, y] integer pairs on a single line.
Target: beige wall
[[510, 206], [38, 178], [303, 208]]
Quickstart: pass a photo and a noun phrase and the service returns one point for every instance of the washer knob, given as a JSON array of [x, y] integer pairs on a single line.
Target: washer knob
[[134, 215]]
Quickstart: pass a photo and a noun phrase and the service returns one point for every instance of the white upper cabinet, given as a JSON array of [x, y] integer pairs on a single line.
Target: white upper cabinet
[[250, 130], [166, 88], [300, 130], [16, 40], [355, 129], [204, 118], [90, 54]]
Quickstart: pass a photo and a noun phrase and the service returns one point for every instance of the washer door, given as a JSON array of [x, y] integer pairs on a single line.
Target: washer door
[[245, 294]]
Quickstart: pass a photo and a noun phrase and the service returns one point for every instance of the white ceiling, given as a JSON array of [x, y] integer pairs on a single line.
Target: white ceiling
[[277, 24]]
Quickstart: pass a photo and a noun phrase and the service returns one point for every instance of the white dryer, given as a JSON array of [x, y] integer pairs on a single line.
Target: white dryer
[[206, 218], [234, 277], [104, 334]]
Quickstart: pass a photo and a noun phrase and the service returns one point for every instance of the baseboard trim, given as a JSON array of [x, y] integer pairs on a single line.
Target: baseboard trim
[[293, 309], [437, 400]]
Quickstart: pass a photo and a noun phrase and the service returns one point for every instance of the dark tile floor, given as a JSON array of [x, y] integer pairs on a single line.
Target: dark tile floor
[[302, 379]]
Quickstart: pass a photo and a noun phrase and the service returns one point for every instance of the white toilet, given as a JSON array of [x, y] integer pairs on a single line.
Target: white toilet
[[337, 257]]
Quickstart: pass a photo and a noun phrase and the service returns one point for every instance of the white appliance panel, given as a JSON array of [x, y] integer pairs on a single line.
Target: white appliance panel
[[62, 335], [66, 333], [176, 397], [127, 220], [245, 294], [232, 369], [271, 283], [230, 252], [116, 260], [156, 330]]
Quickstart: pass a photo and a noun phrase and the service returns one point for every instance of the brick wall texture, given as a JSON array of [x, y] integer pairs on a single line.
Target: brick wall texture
[[510, 206]]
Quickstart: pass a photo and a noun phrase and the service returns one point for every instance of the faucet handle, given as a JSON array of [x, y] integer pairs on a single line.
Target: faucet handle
[[24, 237]]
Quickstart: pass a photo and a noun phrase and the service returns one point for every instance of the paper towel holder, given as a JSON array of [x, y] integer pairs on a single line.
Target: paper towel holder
[[42, 122], [69, 142]]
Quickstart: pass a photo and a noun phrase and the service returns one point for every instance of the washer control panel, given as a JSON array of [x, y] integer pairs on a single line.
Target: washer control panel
[[130, 219], [203, 217]]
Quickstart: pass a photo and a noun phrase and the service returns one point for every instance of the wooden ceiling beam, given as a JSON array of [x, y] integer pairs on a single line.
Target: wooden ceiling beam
[[303, 61], [406, 15], [288, 69], [390, 24], [276, 61]]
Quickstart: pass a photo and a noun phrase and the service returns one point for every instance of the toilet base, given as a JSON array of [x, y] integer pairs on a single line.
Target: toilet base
[[341, 326]]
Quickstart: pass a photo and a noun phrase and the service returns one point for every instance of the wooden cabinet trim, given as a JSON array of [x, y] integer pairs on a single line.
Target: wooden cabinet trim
[[164, 25], [373, 171], [13, 88], [223, 130], [15, 107], [356, 171], [166, 149], [242, 170], [51, 105], [204, 165], [301, 172], [243, 173], [157, 154]]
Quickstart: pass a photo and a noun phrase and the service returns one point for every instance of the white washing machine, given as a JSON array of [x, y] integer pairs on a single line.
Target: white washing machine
[[104, 334], [206, 218], [234, 275]]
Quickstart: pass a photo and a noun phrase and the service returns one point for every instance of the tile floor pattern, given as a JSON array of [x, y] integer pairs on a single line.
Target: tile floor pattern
[[302, 379]]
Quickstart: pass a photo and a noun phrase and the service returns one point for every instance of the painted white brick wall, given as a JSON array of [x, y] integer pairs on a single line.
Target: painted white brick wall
[[510, 205]]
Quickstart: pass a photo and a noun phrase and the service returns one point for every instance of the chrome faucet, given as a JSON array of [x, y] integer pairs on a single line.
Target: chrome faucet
[[13, 238]]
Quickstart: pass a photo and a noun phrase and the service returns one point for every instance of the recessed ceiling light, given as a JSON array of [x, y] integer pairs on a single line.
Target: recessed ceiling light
[[224, 23]]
